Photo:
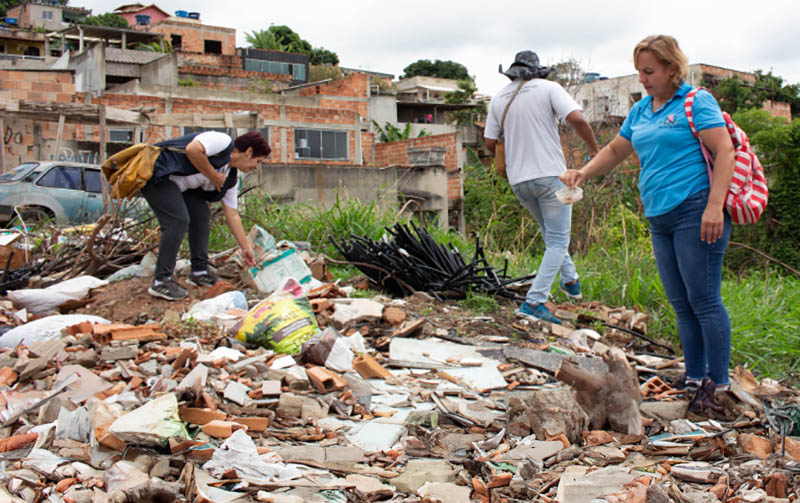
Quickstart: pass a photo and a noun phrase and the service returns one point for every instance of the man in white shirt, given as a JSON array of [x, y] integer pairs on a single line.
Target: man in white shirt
[[534, 159], [190, 172]]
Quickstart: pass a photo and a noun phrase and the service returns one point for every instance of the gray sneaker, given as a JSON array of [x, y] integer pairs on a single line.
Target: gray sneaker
[[204, 278], [169, 289]]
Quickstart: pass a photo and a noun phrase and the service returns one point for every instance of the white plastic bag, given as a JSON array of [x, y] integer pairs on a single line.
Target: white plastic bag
[[44, 329], [141, 270], [206, 309], [42, 300]]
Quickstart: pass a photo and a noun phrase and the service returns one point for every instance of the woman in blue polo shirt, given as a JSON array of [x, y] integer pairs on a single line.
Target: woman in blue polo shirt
[[688, 224]]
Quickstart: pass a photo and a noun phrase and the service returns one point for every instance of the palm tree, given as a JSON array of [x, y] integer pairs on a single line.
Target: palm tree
[[264, 39]]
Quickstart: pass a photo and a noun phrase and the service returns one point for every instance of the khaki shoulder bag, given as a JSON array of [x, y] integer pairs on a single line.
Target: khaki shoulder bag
[[500, 147], [128, 170]]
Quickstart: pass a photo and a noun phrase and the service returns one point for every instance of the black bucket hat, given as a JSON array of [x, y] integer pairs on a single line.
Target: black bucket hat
[[526, 66]]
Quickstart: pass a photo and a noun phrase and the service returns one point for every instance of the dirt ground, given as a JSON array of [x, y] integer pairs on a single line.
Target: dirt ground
[[128, 302]]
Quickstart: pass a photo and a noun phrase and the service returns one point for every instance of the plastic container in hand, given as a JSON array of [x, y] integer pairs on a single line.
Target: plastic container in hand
[[569, 195]]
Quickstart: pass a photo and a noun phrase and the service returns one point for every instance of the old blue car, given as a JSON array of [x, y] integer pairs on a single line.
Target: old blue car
[[68, 192]]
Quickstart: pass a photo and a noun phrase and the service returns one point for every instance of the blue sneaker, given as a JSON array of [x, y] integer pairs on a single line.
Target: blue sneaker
[[537, 312], [573, 290]]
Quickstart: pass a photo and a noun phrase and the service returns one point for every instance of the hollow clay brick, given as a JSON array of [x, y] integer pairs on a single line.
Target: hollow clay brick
[[369, 368], [324, 380]]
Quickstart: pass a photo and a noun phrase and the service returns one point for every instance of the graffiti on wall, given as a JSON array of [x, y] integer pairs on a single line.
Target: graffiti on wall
[[68, 154], [11, 136]]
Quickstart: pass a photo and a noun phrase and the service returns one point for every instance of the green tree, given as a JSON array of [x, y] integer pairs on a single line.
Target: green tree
[[278, 38], [442, 69], [465, 94], [322, 56], [777, 143], [108, 19], [283, 38], [263, 39], [736, 95]]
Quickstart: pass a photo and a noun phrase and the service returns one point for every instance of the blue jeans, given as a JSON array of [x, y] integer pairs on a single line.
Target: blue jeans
[[538, 196], [691, 272]]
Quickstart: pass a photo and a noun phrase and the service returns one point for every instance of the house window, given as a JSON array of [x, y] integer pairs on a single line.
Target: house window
[[32, 51], [212, 47], [264, 132], [298, 72], [176, 41], [635, 97], [120, 135], [602, 105], [320, 144], [47, 14]]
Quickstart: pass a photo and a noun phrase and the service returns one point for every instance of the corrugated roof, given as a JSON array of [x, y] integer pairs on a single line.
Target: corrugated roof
[[128, 56], [122, 70]]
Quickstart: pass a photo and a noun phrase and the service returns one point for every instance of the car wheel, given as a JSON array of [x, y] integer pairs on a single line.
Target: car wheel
[[34, 216]]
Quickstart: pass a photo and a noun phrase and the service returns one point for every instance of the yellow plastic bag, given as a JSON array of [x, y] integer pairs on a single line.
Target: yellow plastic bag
[[282, 322]]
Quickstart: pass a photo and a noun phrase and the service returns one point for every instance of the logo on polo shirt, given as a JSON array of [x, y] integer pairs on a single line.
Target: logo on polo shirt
[[670, 121]]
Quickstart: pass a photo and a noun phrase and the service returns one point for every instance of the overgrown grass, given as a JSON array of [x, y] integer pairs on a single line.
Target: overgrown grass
[[765, 321], [480, 303], [306, 222]]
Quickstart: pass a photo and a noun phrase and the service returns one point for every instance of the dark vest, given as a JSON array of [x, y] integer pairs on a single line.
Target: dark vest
[[171, 162]]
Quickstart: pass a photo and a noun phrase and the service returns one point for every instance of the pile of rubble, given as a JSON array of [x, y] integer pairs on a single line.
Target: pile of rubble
[[408, 399]]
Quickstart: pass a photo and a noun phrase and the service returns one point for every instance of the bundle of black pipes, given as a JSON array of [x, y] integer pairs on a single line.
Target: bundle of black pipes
[[413, 261]]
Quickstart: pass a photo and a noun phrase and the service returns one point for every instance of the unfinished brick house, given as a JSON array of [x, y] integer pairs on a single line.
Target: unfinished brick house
[[322, 144], [610, 98]]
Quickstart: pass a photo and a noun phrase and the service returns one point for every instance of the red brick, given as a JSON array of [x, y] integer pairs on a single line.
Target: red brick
[[200, 416]]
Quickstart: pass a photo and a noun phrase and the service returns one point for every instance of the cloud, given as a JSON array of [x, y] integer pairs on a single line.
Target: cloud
[[386, 37]]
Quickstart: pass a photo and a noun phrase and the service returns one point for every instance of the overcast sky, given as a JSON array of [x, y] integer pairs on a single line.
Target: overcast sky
[[387, 36]]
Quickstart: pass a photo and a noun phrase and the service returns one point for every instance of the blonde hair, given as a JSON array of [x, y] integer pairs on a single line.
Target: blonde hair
[[665, 48]]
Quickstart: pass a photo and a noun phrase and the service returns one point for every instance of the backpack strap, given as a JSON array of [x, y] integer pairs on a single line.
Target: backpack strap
[[505, 111], [687, 105]]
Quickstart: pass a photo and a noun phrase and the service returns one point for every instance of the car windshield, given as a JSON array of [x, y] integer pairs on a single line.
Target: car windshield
[[19, 172]]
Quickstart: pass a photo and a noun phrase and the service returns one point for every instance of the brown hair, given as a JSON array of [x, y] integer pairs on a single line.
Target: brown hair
[[666, 49], [255, 140]]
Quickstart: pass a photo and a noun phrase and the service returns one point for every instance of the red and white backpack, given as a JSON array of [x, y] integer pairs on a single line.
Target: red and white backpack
[[747, 195]]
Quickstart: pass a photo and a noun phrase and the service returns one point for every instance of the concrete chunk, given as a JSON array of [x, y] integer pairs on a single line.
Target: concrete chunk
[[372, 488], [420, 471], [577, 486], [549, 362], [237, 392], [537, 449], [444, 492], [113, 353], [349, 311], [548, 412]]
